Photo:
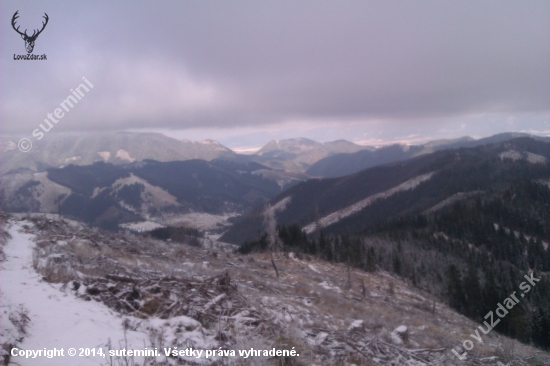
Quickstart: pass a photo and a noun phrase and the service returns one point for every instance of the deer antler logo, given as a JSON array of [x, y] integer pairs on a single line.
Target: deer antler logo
[[29, 40]]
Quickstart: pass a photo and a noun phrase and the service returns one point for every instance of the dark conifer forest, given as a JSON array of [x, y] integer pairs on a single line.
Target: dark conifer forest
[[472, 253]]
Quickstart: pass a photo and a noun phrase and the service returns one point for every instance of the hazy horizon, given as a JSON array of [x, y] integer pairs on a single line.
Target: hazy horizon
[[233, 142], [244, 73]]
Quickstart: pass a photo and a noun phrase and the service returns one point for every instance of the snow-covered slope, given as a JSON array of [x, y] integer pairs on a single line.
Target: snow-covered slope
[[299, 153], [46, 194], [358, 206], [523, 155], [330, 314], [60, 149], [36, 315], [55, 319], [152, 197]]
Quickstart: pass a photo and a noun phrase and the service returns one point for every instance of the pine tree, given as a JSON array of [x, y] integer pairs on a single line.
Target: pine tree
[[455, 292], [472, 292]]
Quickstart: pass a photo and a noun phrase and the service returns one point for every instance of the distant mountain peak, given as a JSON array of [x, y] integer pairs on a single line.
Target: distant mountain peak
[[60, 149], [297, 154], [207, 141]]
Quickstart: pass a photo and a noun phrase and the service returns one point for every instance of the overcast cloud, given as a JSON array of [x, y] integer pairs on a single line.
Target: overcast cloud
[[354, 69]]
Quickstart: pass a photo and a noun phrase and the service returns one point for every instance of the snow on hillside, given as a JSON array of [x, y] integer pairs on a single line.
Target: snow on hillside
[[198, 220], [48, 192], [281, 205], [56, 319], [37, 314], [358, 206], [43, 190], [153, 197], [526, 155], [92, 285], [142, 226], [209, 223], [124, 155], [452, 199]]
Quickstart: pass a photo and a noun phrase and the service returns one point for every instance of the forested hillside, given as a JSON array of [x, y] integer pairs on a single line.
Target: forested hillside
[[343, 164], [357, 202], [107, 195], [470, 235]]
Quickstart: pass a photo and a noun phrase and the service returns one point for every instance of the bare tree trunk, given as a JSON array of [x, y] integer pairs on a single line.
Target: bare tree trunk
[[348, 284], [272, 234], [273, 263]]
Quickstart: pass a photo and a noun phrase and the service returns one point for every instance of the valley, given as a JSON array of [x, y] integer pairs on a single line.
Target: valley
[[275, 183], [389, 265]]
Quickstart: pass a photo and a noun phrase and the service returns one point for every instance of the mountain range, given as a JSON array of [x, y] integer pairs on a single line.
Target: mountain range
[[300, 158], [355, 202], [463, 220], [52, 177], [109, 195], [467, 225], [339, 165], [296, 155], [59, 150]]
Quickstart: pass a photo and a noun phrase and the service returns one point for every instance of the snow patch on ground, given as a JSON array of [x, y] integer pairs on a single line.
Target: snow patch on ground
[[72, 159], [511, 154], [124, 155], [199, 220], [57, 320], [452, 199], [97, 191], [516, 155], [329, 286], [355, 324], [535, 159], [141, 226], [313, 268], [281, 205], [152, 196], [105, 155]]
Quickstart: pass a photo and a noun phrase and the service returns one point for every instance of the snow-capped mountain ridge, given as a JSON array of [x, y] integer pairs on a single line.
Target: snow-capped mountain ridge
[[58, 150]]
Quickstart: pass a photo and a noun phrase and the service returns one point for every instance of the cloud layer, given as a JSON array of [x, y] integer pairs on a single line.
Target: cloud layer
[[191, 64]]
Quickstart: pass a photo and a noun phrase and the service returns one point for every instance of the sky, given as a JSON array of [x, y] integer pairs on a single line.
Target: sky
[[245, 72]]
